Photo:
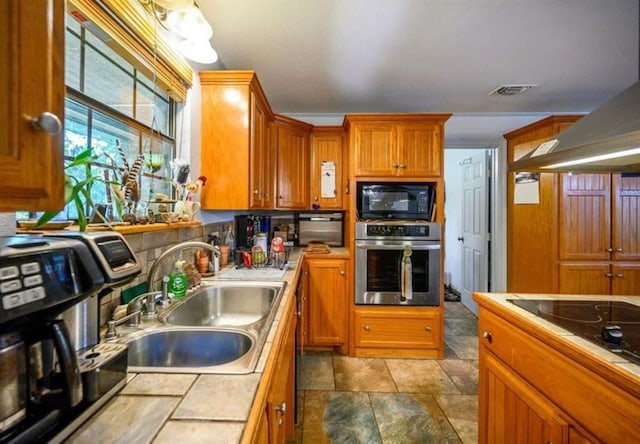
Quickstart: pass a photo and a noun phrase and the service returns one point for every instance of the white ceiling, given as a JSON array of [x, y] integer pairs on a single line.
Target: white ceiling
[[320, 59]]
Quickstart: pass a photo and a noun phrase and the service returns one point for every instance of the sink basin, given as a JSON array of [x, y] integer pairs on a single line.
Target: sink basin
[[192, 351], [225, 304]]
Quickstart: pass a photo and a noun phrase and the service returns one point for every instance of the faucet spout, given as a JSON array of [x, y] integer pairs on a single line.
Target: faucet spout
[[151, 276]]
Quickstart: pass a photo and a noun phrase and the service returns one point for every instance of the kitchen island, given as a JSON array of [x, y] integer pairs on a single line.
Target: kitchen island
[[541, 383], [169, 408]]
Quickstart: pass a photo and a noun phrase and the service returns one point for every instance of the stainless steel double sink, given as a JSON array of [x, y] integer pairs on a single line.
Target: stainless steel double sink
[[219, 328]]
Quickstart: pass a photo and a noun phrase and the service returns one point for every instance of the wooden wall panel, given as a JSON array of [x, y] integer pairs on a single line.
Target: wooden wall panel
[[532, 230]]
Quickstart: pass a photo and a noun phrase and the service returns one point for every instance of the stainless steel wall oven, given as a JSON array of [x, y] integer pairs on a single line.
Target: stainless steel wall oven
[[397, 263]]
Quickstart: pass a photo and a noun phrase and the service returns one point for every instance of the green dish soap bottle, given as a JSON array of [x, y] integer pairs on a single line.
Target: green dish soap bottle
[[178, 280]]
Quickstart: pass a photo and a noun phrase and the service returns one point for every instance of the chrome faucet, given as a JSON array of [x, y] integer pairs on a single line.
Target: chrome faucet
[[181, 246]]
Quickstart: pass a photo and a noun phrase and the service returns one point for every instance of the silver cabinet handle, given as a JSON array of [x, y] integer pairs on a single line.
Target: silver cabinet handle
[[487, 336], [256, 192], [609, 275], [619, 275], [282, 408], [609, 250], [46, 122], [402, 165], [395, 165], [619, 250]]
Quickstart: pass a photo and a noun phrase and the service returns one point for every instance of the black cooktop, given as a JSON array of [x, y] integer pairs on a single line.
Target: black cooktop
[[612, 325]]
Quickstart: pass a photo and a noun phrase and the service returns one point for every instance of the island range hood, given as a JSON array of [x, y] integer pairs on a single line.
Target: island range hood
[[608, 140]]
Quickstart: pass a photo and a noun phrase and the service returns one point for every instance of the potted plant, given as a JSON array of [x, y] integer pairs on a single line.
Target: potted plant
[[78, 191]]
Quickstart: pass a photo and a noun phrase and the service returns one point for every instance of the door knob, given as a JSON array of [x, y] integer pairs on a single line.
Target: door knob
[[46, 122]]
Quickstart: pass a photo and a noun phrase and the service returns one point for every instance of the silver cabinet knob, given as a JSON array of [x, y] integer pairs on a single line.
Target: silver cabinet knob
[[619, 250], [609, 250], [609, 275], [427, 328], [342, 273], [256, 192], [46, 122], [619, 275], [282, 408], [402, 165], [367, 328], [487, 336]]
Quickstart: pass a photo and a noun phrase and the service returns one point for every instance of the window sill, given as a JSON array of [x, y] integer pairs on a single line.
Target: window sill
[[128, 229]]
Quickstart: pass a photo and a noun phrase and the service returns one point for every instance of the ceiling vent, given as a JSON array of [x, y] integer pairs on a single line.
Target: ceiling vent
[[511, 90]]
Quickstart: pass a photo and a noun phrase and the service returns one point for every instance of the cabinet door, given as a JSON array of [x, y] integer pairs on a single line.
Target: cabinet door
[[280, 400], [292, 167], [31, 78], [585, 278], [626, 218], [326, 151], [511, 411], [625, 279], [327, 282], [585, 217], [419, 150], [375, 149], [261, 176]]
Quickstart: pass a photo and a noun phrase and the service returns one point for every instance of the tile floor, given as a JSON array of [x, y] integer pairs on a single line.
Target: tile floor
[[371, 400]]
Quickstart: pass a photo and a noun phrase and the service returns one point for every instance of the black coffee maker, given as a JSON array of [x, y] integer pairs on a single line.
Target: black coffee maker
[[41, 386]]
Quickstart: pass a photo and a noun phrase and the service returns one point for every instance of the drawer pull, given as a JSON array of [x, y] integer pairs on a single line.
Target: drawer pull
[[487, 336], [367, 328]]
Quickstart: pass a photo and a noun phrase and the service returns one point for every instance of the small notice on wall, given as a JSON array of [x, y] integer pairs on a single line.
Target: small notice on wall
[[328, 182], [527, 190]]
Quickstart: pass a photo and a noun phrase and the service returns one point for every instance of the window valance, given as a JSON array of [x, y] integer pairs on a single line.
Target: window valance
[[131, 31]]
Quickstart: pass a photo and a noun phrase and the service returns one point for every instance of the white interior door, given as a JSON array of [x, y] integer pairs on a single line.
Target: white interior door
[[475, 236]]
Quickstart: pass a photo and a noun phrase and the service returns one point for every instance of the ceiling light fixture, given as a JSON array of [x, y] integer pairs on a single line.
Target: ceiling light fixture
[[188, 29]]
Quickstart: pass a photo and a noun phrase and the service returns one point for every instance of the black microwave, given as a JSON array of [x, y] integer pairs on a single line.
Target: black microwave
[[395, 200]]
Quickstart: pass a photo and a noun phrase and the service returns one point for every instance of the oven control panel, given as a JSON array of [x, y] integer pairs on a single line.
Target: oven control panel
[[412, 230]]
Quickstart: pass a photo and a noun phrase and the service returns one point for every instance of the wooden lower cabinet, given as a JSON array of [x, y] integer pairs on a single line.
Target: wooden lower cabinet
[[515, 412], [397, 332], [533, 392], [326, 302], [275, 425], [595, 277]]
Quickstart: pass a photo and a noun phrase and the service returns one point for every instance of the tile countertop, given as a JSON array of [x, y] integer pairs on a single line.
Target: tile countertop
[[169, 408], [592, 353]]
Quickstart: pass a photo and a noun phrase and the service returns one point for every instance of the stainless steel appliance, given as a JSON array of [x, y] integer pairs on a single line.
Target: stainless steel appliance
[[613, 325], [384, 276], [395, 200], [49, 287], [321, 226]]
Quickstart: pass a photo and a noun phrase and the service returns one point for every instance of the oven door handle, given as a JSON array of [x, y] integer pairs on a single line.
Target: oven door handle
[[397, 246]]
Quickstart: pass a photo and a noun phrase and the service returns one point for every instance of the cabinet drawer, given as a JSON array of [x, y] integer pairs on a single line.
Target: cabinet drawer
[[396, 330]]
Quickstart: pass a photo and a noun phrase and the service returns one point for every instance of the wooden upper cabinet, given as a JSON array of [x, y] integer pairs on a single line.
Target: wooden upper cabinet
[[585, 217], [234, 150], [420, 150], [327, 151], [625, 237], [399, 145], [292, 163], [32, 81], [261, 173]]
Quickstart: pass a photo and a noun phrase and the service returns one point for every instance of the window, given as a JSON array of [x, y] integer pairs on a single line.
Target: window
[[120, 114]]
